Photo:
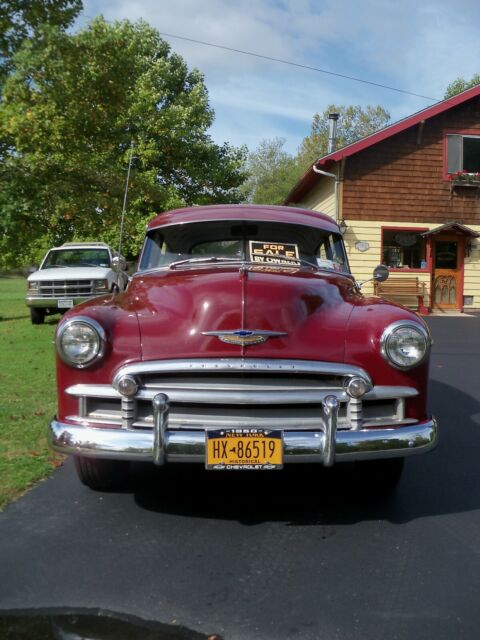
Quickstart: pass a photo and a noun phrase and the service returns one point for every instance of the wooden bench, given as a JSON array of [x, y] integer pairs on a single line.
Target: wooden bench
[[402, 290]]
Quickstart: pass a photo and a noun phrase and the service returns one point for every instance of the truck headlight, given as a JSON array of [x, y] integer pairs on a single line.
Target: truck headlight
[[80, 341], [100, 286], [404, 344], [32, 285]]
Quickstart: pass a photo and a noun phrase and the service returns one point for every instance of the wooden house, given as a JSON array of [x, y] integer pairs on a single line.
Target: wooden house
[[408, 196]]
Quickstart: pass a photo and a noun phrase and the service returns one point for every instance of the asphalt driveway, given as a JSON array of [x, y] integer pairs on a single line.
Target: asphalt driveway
[[298, 554]]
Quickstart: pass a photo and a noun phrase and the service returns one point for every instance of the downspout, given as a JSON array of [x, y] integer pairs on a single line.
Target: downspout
[[337, 182]]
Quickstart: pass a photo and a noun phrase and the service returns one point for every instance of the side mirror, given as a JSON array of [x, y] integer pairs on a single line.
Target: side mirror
[[381, 273], [119, 264]]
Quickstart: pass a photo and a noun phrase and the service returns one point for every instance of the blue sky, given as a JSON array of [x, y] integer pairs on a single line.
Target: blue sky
[[417, 46]]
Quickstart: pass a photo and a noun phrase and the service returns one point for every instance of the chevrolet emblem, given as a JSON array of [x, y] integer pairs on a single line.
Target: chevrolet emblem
[[244, 337]]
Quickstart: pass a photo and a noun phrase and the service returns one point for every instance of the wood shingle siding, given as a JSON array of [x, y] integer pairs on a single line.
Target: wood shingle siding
[[399, 180]]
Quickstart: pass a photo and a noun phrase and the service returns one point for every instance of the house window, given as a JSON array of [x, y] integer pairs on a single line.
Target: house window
[[463, 153], [404, 249]]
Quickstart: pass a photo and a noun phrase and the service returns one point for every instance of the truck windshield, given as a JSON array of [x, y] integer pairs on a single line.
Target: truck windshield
[[77, 258], [271, 244]]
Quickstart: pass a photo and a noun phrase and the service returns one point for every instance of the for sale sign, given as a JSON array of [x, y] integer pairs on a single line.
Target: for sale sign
[[274, 253]]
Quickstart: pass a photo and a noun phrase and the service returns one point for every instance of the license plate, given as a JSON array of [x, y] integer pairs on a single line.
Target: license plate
[[249, 449], [65, 304]]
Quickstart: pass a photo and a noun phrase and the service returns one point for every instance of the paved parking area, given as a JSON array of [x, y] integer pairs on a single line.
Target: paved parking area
[[300, 554]]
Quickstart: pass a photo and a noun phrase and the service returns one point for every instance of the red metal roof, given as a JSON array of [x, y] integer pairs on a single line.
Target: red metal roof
[[310, 177], [292, 215]]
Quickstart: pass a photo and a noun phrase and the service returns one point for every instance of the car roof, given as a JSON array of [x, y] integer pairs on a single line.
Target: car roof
[[81, 245], [266, 213]]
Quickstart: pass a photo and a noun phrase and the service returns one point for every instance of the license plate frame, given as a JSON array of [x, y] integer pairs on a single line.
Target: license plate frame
[[66, 303], [262, 449]]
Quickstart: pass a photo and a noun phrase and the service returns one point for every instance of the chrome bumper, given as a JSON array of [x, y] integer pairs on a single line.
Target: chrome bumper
[[52, 303], [162, 445]]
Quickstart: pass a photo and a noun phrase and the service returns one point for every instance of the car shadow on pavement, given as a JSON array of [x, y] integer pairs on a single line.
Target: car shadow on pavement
[[443, 481]]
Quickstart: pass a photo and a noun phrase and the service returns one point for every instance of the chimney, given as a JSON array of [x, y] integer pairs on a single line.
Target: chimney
[[332, 131]]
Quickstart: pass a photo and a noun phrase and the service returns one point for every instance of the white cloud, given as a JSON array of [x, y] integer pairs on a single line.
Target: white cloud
[[416, 46]]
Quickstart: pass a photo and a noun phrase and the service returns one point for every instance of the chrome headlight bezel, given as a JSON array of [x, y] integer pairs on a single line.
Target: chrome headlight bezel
[[391, 330], [100, 338], [33, 285]]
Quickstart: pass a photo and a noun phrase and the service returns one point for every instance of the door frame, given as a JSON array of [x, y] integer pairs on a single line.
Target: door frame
[[461, 239]]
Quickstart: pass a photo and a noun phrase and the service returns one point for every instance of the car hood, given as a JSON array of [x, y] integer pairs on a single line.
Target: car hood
[[70, 273], [176, 308]]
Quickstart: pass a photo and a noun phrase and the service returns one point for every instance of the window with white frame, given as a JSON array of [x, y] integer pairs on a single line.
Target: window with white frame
[[463, 153]]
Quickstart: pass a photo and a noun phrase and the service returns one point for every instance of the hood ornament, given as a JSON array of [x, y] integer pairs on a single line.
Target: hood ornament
[[244, 337]]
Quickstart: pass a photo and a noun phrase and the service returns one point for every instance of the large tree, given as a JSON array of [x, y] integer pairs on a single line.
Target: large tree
[[354, 122], [70, 112], [22, 19], [272, 172], [460, 84]]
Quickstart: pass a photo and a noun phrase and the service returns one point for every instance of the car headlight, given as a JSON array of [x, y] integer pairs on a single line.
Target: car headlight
[[32, 285], [80, 341], [100, 285], [405, 344]]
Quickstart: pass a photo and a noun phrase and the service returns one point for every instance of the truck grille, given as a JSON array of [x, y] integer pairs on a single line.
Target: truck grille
[[240, 393], [65, 288]]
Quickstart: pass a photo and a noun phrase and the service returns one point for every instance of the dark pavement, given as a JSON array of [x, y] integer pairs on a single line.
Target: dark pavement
[[297, 554]]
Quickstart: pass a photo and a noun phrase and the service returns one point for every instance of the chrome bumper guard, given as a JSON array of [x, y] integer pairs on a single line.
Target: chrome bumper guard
[[162, 445]]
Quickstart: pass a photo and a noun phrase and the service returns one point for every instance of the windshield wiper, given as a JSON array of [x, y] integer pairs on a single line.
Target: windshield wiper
[[174, 265]]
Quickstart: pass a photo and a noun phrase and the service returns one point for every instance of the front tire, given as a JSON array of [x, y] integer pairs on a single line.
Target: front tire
[[380, 476], [37, 316], [100, 474]]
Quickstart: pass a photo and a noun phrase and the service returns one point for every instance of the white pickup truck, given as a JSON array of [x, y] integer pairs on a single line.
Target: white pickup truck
[[73, 273]]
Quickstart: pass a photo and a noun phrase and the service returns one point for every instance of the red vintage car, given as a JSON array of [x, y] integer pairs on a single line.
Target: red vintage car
[[242, 342]]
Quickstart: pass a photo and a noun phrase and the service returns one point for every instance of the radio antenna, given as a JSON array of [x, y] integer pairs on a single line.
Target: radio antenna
[[125, 198]]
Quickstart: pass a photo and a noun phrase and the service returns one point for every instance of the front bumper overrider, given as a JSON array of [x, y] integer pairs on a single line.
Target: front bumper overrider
[[324, 446]]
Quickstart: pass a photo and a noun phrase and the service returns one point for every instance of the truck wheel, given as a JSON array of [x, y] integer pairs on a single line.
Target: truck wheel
[[37, 316], [100, 474], [380, 476]]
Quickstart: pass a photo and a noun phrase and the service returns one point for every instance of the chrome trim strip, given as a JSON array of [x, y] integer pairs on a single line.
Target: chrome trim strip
[[94, 422], [189, 446], [183, 395], [383, 392], [209, 365]]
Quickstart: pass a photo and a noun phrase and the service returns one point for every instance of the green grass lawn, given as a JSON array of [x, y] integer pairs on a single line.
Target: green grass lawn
[[27, 392]]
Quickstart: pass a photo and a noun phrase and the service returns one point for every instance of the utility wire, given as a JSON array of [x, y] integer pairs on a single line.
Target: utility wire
[[296, 64]]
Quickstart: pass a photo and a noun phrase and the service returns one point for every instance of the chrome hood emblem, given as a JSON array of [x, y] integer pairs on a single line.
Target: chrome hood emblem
[[244, 337]]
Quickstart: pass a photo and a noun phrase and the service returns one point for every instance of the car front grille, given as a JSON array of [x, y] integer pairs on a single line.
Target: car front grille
[[65, 288], [234, 393]]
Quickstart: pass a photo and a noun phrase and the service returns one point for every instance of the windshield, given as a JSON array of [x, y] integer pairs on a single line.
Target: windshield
[[77, 258], [262, 243]]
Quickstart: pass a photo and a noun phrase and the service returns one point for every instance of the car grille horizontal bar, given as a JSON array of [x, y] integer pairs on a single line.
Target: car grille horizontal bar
[[287, 395], [69, 288]]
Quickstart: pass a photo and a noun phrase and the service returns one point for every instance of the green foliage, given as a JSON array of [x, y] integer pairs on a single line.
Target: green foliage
[[460, 84], [27, 393], [355, 122], [272, 173], [68, 116], [21, 19]]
